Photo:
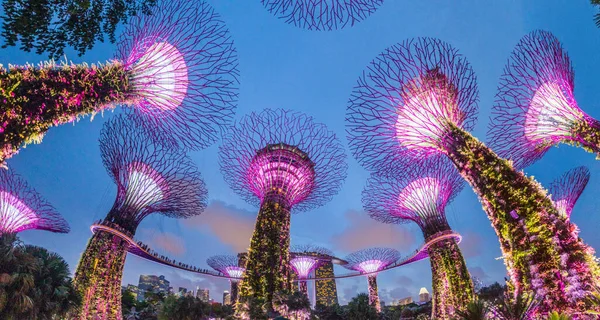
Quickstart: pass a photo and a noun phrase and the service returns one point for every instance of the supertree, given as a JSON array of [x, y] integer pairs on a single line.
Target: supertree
[[420, 195], [369, 262], [305, 259], [281, 161], [535, 107], [417, 100], [230, 266], [322, 15], [566, 189], [176, 68], [151, 177], [23, 208]]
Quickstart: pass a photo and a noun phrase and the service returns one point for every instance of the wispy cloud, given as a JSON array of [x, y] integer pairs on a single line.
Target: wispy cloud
[[163, 242], [231, 225], [472, 244]]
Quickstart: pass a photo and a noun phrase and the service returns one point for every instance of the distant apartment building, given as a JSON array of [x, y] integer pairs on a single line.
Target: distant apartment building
[[133, 290], [424, 295], [226, 298], [152, 283], [202, 294], [404, 301]]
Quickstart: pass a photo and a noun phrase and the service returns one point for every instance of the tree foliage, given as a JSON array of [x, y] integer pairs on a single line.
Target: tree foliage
[[49, 26], [597, 15], [359, 308]]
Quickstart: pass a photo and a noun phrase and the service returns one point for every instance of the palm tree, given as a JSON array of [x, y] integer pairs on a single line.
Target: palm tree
[[476, 310], [359, 308], [597, 15], [16, 278], [517, 308], [558, 316]]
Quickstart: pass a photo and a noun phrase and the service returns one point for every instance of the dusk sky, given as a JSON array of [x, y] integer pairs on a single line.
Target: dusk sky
[[282, 66]]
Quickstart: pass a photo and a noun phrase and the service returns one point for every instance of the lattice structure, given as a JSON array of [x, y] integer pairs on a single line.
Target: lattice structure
[[417, 100], [535, 106], [420, 195], [322, 15], [305, 259], [230, 266], [177, 69], [325, 290], [282, 161], [151, 177], [23, 208], [369, 262], [566, 189]]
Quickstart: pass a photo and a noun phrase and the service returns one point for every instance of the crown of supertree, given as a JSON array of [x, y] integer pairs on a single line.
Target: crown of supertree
[[306, 258], [419, 194], [228, 265], [535, 107], [566, 189], [284, 154], [405, 99], [371, 260], [22, 208], [150, 175], [322, 15], [183, 71]]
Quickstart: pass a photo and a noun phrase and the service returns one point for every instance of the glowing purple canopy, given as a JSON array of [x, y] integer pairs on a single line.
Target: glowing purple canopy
[[322, 14], [405, 98], [372, 260], [416, 193], [535, 107], [566, 189], [228, 265], [22, 208], [284, 151], [150, 175], [306, 258], [184, 71]]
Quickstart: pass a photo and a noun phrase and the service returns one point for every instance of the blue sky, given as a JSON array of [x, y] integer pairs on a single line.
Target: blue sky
[[282, 66]]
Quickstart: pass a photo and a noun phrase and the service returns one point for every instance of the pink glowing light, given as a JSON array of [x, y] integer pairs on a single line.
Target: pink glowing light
[[234, 272], [422, 121], [370, 266], [145, 186], [304, 266], [283, 169], [550, 114], [14, 214], [160, 76], [422, 196]]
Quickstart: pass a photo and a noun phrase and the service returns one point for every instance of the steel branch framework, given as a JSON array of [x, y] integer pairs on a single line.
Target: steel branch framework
[[535, 107], [404, 100], [176, 68], [305, 259], [151, 177], [371, 261], [322, 15], [23, 208], [566, 189], [282, 161], [230, 266]]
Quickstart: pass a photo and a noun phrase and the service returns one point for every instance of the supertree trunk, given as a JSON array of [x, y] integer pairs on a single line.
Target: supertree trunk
[[267, 268], [234, 292], [303, 286], [98, 277], [452, 285], [373, 292], [587, 133], [542, 254], [33, 99]]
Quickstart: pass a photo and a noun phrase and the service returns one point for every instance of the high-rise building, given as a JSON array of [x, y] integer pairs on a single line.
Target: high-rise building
[[424, 295], [404, 301], [181, 292], [226, 298], [202, 294], [326, 290], [152, 283], [133, 290]]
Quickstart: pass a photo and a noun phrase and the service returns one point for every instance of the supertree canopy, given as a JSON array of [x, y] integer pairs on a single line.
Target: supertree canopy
[[417, 100], [567, 188], [535, 106], [420, 195], [230, 266], [282, 161], [22, 208], [322, 15], [176, 67], [305, 259], [151, 177], [370, 262]]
